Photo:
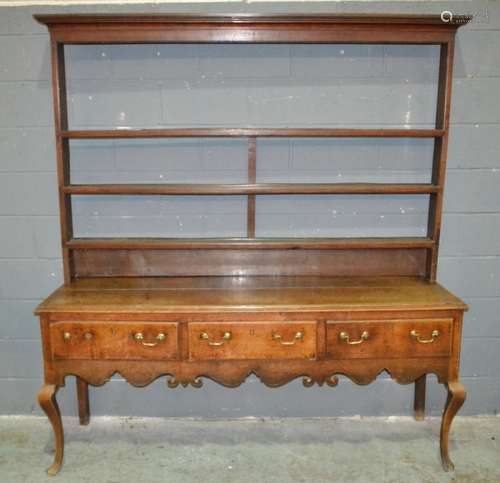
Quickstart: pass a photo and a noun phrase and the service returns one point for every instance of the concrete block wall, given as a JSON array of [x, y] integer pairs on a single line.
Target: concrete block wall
[[261, 85]]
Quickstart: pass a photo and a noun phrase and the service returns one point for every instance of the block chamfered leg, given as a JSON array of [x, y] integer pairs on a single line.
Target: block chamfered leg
[[419, 400], [48, 402], [455, 400], [82, 390]]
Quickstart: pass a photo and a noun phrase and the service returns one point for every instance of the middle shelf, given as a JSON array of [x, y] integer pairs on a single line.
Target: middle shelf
[[253, 188]]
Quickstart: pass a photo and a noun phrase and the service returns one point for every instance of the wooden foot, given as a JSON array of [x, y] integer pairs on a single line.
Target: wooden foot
[[47, 401], [456, 397], [82, 390], [419, 401]]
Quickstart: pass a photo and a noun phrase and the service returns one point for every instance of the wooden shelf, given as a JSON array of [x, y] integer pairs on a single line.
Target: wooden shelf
[[246, 189], [251, 132], [247, 243]]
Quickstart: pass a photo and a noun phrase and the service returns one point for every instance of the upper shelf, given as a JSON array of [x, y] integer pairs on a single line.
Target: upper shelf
[[250, 28]]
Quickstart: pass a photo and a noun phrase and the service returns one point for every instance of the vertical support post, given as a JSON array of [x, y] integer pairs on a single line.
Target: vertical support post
[[252, 177], [82, 392], [59, 95], [419, 398], [440, 152], [62, 152]]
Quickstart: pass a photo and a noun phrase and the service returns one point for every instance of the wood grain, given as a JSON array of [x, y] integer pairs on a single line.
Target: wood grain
[[389, 338], [48, 402], [82, 391], [253, 294], [244, 263], [455, 400], [273, 373], [97, 29], [440, 152], [105, 341], [252, 340], [290, 243], [252, 179], [250, 132], [60, 106], [247, 189], [419, 398]]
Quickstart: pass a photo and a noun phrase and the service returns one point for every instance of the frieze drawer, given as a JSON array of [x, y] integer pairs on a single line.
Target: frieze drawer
[[114, 340], [252, 340], [389, 339]]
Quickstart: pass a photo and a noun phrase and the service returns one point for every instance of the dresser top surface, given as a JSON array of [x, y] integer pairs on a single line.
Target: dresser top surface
[[266, 293]]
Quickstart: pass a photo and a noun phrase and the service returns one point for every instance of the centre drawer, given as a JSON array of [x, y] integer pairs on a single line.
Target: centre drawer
[[114, 340], [389, 338], [252, 340]]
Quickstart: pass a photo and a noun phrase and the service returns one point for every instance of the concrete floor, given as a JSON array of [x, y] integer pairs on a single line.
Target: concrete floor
[[119, 450]]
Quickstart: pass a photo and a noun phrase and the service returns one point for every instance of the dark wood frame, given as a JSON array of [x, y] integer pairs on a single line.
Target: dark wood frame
[[394, 256]]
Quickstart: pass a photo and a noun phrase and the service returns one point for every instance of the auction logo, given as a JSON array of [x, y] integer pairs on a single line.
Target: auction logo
[[448, 17]]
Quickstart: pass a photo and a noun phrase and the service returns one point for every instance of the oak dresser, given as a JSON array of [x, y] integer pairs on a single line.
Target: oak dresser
[[225, 308]]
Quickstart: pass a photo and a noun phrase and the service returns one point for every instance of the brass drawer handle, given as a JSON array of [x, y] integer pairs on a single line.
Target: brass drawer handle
[[416, 335], [139, 337], [298, 336], [226, 336], [345, 337], [86, 336]]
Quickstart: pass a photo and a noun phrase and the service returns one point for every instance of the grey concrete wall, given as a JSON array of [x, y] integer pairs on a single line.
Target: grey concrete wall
[[168, 85]]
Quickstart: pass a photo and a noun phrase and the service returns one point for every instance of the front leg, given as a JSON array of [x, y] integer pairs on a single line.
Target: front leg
[[48, 402], [456, 397]]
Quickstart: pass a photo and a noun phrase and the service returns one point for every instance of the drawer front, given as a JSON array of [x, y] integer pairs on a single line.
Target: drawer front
[[389, 339], [114, 340], [252, 340]]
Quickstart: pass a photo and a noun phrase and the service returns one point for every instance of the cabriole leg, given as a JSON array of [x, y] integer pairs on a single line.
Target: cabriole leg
[[419, 401], [82, 390], [456, 397], [47, 401]]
